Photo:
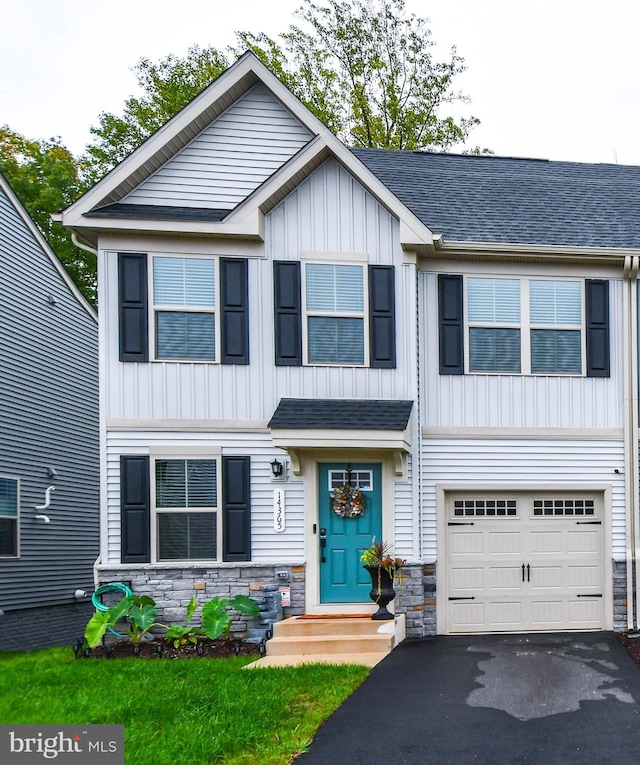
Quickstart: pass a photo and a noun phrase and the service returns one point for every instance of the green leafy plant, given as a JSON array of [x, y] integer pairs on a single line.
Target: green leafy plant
[[138, 612], [180, 635], [379, 554], [217, 618]]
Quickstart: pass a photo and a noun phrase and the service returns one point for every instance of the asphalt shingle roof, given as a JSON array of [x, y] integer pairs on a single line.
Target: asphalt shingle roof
[[514, 201], [158, 212], [341, 413]]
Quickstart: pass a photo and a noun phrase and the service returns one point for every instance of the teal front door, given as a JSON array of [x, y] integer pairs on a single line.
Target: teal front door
[[342, 577]]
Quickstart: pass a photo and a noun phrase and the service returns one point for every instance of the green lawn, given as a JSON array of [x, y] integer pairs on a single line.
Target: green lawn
[[186, 712]]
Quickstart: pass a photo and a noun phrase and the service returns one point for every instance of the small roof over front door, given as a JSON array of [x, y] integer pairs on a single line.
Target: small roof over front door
[[312, 423]]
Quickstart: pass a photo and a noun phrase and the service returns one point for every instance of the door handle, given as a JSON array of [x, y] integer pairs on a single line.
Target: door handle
[[523, 572], [323, 545], [528, 573]]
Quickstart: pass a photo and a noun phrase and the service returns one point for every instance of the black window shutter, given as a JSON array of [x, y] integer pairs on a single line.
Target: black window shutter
[[236, 508], [134, 503], [451, 324], [234, 292], [382, 317], [597, 321], [288, 313], [133, 309]]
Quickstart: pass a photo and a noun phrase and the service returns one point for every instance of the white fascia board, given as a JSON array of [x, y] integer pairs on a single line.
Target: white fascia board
[[251, 227], [444, 248], [42, 242], [297, 438]]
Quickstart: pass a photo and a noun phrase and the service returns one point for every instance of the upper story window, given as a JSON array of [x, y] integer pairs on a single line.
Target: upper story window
[[184, 303], [529, 326], [335, 311], [9, 490], [186, 509]]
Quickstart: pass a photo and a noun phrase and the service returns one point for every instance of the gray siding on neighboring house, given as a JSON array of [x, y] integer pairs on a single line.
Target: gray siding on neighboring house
[[48, 419]]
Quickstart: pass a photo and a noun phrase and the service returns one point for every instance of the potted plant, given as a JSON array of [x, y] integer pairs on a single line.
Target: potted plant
[[382, 568]]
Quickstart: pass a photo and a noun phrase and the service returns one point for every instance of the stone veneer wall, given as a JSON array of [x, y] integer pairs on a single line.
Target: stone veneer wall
[[172, 587], [619, 595], [416, 598]]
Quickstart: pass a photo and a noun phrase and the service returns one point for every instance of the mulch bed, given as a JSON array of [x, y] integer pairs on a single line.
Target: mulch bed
[[632, 645], [160, 649]]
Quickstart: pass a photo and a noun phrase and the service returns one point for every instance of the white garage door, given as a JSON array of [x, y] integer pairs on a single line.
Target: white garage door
[[524, 563]]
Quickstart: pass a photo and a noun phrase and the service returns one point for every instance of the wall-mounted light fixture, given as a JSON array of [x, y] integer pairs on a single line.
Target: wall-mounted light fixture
[[277, 468]]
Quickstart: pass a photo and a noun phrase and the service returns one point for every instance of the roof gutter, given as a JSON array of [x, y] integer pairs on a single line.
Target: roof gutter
[[609, 254]]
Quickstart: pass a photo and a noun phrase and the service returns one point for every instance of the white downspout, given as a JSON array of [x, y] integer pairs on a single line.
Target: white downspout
[[633, 383], [630, 362]]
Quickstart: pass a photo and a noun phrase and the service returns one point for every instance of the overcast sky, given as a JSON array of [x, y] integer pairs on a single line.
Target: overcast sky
[[557, 79]]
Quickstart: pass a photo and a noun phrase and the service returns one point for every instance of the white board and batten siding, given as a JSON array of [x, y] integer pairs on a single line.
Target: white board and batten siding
[[266, 544], [330, 212], [519, 401], [229, 159]]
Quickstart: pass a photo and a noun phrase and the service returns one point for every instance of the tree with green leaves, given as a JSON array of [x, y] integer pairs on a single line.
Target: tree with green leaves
[[367, 70], [46, 178], [166, 86]]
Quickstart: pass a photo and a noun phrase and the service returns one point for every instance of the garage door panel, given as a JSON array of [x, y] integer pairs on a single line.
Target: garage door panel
[[468, 616], [584, 576], [467, 543], [546, 577], [504, 543], [527, 563], [549, 612], [546, 542], [505, 578], [505, 615], [467, 579], [586, 612], [584, 541]]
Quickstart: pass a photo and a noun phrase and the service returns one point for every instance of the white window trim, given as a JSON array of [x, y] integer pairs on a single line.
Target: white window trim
[[159, 453], [335, 314], [15, 478], [525, 327], [154, 308]]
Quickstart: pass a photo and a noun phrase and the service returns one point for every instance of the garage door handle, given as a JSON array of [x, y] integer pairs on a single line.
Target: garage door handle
[[589, 523], [528, 572], [469, 597], [597, 595], [460, 523], [523, 572]]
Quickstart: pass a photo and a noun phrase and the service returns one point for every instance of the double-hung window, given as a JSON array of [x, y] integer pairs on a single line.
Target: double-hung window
[[335, 313], [184, 298], [186, 509], [9, 491], [529, 326]]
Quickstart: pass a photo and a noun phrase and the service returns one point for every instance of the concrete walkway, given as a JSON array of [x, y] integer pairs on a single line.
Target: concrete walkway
[[553, 699]]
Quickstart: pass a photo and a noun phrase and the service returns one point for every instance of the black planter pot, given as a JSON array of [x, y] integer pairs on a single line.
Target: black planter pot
[[382, 592]]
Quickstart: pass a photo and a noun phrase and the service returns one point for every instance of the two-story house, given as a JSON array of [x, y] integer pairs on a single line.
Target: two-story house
[[282, 316], [49, 445]]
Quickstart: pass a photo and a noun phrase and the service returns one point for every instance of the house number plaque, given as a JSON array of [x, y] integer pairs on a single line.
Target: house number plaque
[[278, 511]]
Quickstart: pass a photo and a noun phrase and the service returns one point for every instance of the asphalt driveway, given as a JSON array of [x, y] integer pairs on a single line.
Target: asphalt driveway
[[491, 700]]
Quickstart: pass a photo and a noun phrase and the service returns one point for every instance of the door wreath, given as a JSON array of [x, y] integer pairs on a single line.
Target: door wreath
[[348, 502]]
